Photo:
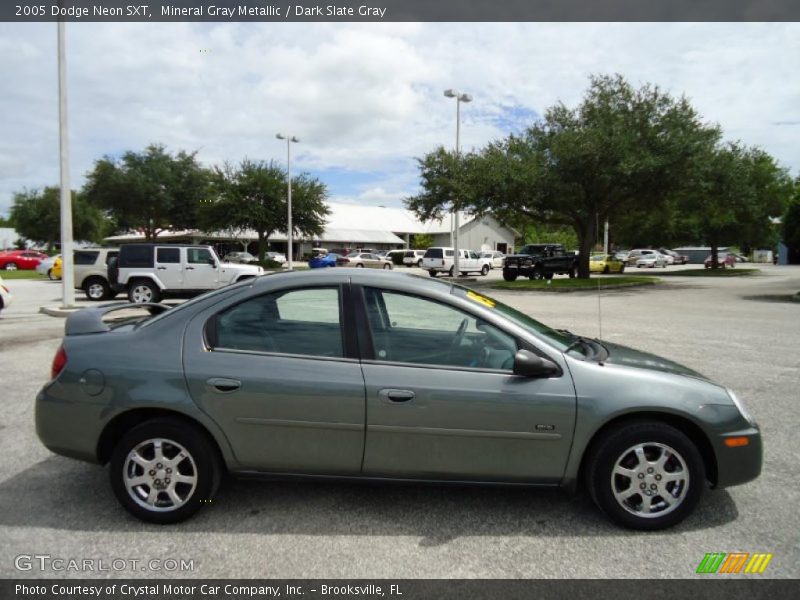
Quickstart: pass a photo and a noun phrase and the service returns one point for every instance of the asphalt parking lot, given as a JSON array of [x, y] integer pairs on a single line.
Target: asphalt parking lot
[[742, 332]]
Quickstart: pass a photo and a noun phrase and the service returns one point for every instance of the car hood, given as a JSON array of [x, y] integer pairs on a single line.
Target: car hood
[[629, 357], [242, 268]]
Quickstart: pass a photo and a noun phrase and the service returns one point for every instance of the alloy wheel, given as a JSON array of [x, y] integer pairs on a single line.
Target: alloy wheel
[[160, 475], [650, 480]]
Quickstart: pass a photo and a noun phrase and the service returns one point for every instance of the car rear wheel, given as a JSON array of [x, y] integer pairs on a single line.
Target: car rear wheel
[[11, 266], [359, 265], [451, 272], [507, 276], [432, 273], [485, 270], [646, 475], [419, 263], [96, 289], [143, 291], [164, 470], [538, 273]]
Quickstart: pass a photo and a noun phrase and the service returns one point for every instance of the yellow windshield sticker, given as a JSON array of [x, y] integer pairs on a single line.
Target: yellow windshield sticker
[[481, 299]]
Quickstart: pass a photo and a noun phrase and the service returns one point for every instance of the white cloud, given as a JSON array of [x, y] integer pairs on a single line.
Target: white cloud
[[364, 98]]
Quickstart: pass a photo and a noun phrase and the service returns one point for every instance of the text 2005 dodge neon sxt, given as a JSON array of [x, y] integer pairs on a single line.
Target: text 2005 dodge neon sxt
[[358, 374]]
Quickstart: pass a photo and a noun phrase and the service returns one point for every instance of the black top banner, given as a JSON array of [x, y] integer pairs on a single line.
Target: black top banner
[[399, 10]]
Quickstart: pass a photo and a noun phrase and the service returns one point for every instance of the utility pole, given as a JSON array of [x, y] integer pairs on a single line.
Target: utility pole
[[67, 276]]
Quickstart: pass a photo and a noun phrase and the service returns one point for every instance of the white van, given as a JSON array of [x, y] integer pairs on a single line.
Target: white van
[[442, 260]]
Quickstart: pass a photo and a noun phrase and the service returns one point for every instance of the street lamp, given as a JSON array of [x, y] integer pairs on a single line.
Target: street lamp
[[67, 277], [290, 139], [459, 99]]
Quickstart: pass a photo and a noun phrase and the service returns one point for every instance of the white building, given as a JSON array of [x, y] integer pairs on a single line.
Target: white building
[[358, 226]]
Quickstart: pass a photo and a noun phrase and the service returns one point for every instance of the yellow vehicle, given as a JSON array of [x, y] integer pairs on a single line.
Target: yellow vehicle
[[55, 271], [605, 263]]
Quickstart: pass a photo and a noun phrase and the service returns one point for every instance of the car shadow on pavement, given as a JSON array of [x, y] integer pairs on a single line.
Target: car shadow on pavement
[[58, 493]]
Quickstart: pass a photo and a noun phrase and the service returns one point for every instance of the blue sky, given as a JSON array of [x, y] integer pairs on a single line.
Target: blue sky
[[365, 99]]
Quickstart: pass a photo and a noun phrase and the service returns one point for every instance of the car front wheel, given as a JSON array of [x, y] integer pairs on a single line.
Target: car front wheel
[[432, 273], [11, 266], [387, 266], [485, 270], [164, 470], [507, 276], [646, 475]]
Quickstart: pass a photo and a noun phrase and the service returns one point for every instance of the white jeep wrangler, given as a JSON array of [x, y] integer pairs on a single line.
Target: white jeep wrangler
[[146, 272]]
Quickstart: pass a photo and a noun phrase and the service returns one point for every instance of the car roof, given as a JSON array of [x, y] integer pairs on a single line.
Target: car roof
[[406, 281]]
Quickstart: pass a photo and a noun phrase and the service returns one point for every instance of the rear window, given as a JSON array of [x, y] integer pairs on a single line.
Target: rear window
[[410, 254], [433, 253], [111, 255], [84, 257], [136, 256]]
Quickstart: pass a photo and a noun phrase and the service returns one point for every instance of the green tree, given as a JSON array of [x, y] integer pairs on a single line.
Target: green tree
[[622, 150], [735, 192], [153, 191], [36, 215], [421, 241], [790, 227], [253, 196]]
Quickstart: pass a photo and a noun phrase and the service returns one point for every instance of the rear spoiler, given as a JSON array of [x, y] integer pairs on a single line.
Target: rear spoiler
[[90, 320]]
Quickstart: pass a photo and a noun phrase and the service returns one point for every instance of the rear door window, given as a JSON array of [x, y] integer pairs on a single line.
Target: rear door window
[[84, 257], [301, 321]]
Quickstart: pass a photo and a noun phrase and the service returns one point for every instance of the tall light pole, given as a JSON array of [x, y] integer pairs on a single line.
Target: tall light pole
[[290, 139], [459, 99], [67, 276]]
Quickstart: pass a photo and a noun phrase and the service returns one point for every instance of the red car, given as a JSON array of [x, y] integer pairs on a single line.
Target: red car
[[11, 260], [724, 260]]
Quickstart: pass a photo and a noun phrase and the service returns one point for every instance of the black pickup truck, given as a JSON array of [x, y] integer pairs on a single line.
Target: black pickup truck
[[540, 261]]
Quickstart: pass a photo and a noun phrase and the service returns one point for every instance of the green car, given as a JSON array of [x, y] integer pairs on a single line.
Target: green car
[[353, 373]]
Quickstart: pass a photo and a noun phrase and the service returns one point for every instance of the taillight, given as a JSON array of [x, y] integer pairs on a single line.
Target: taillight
[[59, 362]]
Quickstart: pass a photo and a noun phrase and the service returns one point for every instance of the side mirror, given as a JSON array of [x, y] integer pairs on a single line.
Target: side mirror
[[212, 262], [528, 364]]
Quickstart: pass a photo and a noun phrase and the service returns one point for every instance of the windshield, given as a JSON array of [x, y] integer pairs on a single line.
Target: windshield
[[560, 340]]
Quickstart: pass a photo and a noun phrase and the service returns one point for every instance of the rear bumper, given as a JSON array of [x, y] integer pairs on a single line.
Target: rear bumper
[[69, 428]]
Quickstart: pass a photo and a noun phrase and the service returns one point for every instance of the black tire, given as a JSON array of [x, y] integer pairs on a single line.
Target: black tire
[[573, 272], [507, 276], [485, 270], [614, 444], [387, 266], [203, 463], [548, 275], [538, 273], [606, 270], [134, 293], [452, 271], [50, 275], [360, 266], [96, 289], [432, 273]]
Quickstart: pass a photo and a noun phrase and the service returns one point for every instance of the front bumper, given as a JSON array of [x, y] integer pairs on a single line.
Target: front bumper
[[740, 463]]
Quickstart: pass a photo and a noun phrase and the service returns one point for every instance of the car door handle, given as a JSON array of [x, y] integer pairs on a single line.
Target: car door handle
[[224, 385], [391, 395], [161, 268], [189, 268]]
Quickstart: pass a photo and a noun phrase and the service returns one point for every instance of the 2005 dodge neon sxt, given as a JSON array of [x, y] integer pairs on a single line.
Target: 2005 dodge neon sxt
[[357, 374]]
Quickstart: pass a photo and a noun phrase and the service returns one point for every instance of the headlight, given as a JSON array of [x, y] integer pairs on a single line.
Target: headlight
[[742, 408]]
